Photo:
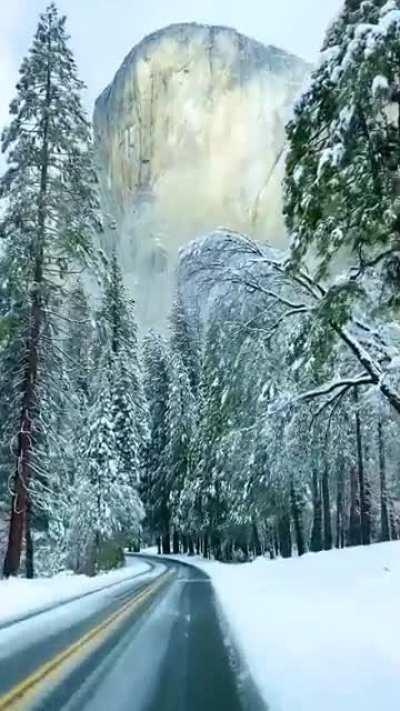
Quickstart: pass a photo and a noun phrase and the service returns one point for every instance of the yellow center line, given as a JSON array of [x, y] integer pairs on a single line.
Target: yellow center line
[[31, 683]]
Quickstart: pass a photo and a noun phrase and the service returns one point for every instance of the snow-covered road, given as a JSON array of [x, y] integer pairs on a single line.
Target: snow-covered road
[[151, 642]]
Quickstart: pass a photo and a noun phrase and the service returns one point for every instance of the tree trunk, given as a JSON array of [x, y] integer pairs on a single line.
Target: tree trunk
[[316, 532], [364, 488], [297, 514], [256, 540], [394, 527], [385, 516], [327, 509], [89, 563], [159, 545], [276, 539], [19, 497], [166, 543], [28, 542], [190, 546], [175, 542], [340, 506], [285, 536], [216, 547], [205, 546], [270, 541], [244, 547], [354, 535], [15, 535]]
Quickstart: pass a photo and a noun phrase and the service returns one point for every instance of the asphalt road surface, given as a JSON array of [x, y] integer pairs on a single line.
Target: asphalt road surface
[[152, 643]]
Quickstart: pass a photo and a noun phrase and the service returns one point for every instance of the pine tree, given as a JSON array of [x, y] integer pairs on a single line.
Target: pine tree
[[181, 424], [156, 483], [47, 225], [129, 407], [56, 497], [80, 340], [212, 447], [185, 342], [103, 468], [129, 427], [113, 508], [119, 352], [341, 196]]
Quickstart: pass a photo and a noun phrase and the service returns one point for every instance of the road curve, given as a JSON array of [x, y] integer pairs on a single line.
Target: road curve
[[152, 644]]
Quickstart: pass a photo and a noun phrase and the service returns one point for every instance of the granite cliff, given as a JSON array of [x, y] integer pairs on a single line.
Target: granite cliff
[[190, 136]]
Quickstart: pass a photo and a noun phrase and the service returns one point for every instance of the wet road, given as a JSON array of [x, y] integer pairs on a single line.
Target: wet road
[[154, 643]]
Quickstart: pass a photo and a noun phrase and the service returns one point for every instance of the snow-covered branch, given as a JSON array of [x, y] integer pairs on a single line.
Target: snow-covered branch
[[340, 384]]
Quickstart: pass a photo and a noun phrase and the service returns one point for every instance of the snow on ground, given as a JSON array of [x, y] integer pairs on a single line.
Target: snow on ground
[[321, 632], [150, 550], [20, 597]]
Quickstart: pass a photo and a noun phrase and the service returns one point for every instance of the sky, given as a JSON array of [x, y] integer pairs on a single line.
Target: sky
[[103, 31]]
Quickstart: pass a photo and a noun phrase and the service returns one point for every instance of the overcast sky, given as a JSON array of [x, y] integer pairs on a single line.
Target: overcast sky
[[103, 31]]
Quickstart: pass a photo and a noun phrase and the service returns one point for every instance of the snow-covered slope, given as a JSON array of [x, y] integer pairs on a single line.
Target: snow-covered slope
[[20, 598], [320, 633]]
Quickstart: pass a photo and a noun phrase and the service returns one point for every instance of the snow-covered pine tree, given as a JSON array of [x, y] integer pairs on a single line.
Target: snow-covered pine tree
[[181, 422], [185, 341], [129, 419], [342, 205], [103, 488], [56, 496], [156, 481], [117, 311], [70, 524], [342, 200], [50, 213], [118, 344], [129, 402], [111, 508], [80, 340], [213, 425]]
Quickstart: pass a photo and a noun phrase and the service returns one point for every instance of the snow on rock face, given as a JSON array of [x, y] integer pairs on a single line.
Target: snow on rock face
[[189, 136]]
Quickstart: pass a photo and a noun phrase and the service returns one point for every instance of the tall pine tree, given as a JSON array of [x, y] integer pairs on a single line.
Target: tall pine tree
[[156, 483], [49, 218], [341, 187]]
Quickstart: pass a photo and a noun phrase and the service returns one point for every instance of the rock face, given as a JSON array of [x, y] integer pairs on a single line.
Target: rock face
[[189, 136]]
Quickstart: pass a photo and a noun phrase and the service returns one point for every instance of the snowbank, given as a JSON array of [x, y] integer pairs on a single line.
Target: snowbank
[[20, 598], [320, 633]]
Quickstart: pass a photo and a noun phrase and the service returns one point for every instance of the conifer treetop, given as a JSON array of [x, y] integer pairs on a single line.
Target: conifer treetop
[[342, 203]]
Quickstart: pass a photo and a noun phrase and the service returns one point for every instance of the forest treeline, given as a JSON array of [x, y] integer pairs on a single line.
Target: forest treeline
[[264, 418], [289, 438], [72, 409]]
